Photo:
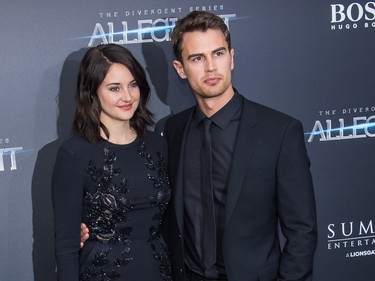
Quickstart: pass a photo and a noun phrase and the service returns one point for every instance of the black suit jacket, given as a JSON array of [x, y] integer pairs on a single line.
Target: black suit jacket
[[269, 182]]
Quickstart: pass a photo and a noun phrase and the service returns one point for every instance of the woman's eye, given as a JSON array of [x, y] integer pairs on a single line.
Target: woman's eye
[[133, 84], [114, 89]]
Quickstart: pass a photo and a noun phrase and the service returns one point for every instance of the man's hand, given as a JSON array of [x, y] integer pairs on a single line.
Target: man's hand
[[84, 234]]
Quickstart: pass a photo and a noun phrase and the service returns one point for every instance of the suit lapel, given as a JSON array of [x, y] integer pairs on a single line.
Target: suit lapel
[[247, 136]]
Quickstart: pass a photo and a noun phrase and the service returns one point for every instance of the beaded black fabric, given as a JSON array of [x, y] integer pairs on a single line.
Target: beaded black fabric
[[108, 209]]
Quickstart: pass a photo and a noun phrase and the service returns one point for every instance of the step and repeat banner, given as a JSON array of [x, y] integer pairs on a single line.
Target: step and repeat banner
[[314, 60]]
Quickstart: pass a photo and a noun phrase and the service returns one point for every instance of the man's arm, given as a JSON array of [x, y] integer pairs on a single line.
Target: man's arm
[[296, 206]]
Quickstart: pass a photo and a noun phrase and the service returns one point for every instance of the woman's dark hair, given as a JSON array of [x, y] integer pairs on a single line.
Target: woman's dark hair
[[197, 21], [93, 69]]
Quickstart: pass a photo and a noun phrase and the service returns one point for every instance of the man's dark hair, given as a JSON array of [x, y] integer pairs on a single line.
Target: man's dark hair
[[197, 21]]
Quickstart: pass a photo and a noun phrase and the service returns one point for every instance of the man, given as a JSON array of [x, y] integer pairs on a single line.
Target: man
[[258, 171]]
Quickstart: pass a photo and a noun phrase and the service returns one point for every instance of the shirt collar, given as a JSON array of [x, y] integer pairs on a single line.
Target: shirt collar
[[224, 115]]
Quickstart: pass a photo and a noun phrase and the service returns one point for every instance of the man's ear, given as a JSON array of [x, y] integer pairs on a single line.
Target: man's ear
[[179, 68], [232, 58]]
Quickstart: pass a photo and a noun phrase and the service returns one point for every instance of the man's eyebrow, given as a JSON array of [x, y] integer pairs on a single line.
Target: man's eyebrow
[[219, 49], [201, 54]]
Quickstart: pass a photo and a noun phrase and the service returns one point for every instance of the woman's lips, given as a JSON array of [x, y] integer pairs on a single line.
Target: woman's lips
[[126, 106]]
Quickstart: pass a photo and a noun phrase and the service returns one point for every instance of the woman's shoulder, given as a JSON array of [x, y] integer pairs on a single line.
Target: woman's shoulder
[[153, 136], [76, 145], [155, 141]]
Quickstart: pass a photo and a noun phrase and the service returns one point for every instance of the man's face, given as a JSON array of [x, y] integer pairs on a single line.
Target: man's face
[[206, 63]]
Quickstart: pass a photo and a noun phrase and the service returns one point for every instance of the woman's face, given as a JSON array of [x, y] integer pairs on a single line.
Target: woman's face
[[119, 95]]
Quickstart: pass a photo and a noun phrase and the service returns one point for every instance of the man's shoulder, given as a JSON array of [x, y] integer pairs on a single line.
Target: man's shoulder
[[264, 112], [179, 117]]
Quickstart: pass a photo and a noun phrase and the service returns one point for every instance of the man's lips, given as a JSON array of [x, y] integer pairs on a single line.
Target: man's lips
[[212, 80]]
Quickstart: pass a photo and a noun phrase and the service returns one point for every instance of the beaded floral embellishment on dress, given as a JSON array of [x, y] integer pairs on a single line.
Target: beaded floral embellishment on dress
[[107, 207], [161, 200]]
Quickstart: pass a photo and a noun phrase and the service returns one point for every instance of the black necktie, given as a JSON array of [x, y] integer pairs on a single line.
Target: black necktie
[[209, 229]]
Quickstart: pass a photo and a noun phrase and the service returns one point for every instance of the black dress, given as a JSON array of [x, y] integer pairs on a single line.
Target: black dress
[[121, 193]]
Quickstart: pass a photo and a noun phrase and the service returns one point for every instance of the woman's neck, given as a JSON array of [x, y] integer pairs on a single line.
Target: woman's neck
[[122, 134]]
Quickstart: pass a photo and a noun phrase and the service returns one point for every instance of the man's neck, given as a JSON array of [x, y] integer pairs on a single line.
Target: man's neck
[[209, 106]]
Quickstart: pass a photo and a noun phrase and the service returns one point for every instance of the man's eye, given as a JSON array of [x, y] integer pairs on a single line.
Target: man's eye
[[197, 58]]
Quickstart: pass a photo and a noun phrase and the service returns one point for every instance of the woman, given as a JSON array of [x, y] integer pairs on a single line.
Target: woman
[[112, 176]]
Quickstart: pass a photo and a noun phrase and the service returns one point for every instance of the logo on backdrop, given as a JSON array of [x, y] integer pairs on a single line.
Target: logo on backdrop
[[352, 16], [343, 124], [8, 159], [354, 238], [143, 25]]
